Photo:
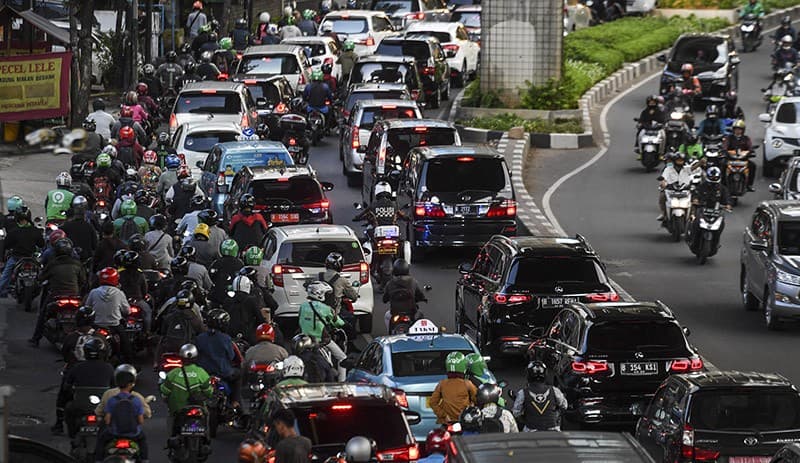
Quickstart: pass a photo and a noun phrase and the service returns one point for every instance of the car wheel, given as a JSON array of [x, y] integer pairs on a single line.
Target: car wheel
[[748, 300], [461, 77], [446, 95], [436, 99], [770, 319]]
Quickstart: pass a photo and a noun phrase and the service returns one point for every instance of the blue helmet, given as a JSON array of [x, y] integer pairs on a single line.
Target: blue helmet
[[173, 161]]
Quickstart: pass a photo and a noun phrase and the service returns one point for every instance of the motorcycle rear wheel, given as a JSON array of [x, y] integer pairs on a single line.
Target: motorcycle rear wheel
[[27, 298], [703, 252]]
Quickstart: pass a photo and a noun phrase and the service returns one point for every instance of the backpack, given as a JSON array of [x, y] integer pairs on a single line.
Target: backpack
[[178, 329], [124, 419], [102, 188], [493, 423], [125, 155], [128, 228]]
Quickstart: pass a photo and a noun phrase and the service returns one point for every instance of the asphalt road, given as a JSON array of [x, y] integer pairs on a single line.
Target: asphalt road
[[614, 204], [34, 372]]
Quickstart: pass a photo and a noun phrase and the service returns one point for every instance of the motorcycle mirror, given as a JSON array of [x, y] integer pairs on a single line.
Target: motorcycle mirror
[[94, 400], [775, 188], [765, 117], [428, 287], [662, 58], [162, 375], [358, 206]]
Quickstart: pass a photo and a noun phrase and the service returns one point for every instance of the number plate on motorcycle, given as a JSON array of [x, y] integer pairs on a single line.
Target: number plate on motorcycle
[[131, 325], [193, 430], [284, 218], [465, 209], [387, 231], [552, 302], [383, 250], [89, 429], [639, 368]]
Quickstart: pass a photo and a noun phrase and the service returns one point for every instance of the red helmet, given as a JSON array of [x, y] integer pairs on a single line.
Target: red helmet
[[108, 276], [141, 88], [126, 111], [253, 451], [265, 332], [56, 235], [150, 157], [126, 133], [437, 441]]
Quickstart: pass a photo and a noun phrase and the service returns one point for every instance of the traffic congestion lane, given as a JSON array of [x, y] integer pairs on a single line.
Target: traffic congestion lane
[[614, 204]]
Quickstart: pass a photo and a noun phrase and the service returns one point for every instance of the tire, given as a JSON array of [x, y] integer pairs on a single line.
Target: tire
[[213, 422], [436, 100], [460, 79], [676, 228], [702, 254], [27, 298], [365, 323], [770, 320], [749, 301]]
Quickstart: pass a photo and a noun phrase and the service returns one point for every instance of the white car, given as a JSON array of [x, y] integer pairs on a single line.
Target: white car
[[365, 28], [195, 139], [289, 61], [211, 100], [295, 255], [463, 55], [640, 6], [322, 50], [782, 136]]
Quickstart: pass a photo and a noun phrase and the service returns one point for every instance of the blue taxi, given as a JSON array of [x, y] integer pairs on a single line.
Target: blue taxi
[[413, 363], [225, 159]]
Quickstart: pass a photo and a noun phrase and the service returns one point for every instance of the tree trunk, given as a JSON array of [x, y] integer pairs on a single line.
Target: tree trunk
[[80, 107], [75, 74], [223, 22], [118, 50]]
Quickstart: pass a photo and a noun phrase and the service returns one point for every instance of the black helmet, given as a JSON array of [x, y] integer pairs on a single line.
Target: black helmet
[[184, 299], [158, 221], [327, 68], [214, 25], [163, 138], [143, 197], [471, 419], [119, 257], [186, 48], [76, 171], [198, 202], [208, 217], [63, 247], [302, 343], [79, 205], [712, 111], [124, 375], [137, 243], [536, 371], [713, 174], [652, 99], [241, 23], [249, 272], [400, 267], [190, 285], [94, 348], [171, 56], [189, 67], [213, 36], [334, 261], [130, 259], [179, 266], [218, 319], [247, 201], [488, 393], [85, 316], [691, 138], [89, 125], [188, 251]]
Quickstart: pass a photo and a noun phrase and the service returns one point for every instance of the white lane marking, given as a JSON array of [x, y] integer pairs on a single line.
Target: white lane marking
[[451, 116]]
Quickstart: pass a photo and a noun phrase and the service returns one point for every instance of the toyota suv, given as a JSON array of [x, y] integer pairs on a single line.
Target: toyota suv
[[289, 61], [770, 262], [608, 358], [716, 64], [365, 28], [214, 101], [720, 416], [527, 281], [431, 63], [389, 69]]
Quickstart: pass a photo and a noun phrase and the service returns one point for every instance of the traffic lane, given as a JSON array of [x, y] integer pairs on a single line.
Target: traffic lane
[[614, 203]]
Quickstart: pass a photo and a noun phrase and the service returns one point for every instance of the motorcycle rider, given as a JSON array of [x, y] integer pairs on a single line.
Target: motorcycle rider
[[170, 176], [146, 261], [784, 29], [327, 77], [471, 421], [181, 195], [739, 141], [122, 228], [675, 172], [224, 269], [382, 211], [219, 354], [692, 148], [163, 149], [185, 56], [159, 242], [72, 350], [105, 179], [195, 271], [266, 351], [207, 70], [169, 72], [487, 399], [189, 384], [454, 393], [108, 245], [307, 26], [140, 114], [93, 143], [784, 56], [539, 405], [60, 199], [149, 172], [152, 81], [293, 372], [342, 287], [103, 121], [124, 414], [712, 125], [292, 447], [708, 194], [247, 227], [317, 94], [111, 307], [82, 233], [126, 191], [253, 451], [144, 199], [126, 120], [206, 251], [145, 100], [216, 233], [212, 45], [260, 276], [317, 320], [317, 369], [245, 314], [225, 55], [347, 60], [133, 283], [402, 293], [240, 35], [129, 150], [652, 113], [360, 449], [691, 84], [80, 186], [178, 323], [191, 219], [436, 444], [755, 8], [21, 241]]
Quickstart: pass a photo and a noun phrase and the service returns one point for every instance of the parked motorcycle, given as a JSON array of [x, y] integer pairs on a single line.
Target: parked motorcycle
[[294, 137], [651, 145], [679, 201], [25, 281], [750, 32], [60, 321], [737, 172], [85, 399], [703, 237]]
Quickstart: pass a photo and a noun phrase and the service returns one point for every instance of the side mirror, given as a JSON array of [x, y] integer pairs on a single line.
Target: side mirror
[[487, 358], [261, 102], [326, 186], [362, 149], [413, 418], [686, 331], [358, 206], [765, 117], [735, 60], [759, 245], [637, 409], [775, 188], [662, 58], [465, 268], [199, 164]]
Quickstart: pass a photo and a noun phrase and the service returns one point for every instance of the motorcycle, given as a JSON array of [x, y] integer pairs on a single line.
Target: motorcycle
[[60, 322], [383, 247], [786, 86], [317, 124], [25, 281], [190, 440], [134, 328], [85, 399], [261, 378], [703, 237], [127, 449], [737, 172], [220, 410], [712, 150], [651, 145], [750, 32], [294, 137], [679, 201]]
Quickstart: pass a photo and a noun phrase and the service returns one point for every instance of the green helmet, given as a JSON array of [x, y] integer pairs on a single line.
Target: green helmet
[[205, 27], [226, 43], [229, 248], [456, 363], [308, 14], [316, 75], [349, 45], [128, 207], [477, 365], [253, 255], [14, 203], [103, 160]]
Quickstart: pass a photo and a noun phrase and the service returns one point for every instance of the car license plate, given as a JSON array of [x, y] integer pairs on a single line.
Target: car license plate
[[193, 430], [551, 302], [465, 209], [284, 218], [749, 459], [89, 429], [639, 369]]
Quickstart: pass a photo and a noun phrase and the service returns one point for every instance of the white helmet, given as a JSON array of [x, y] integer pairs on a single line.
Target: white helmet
[[327, 27], [188, 352], [786, 41], [287, 11], [317, 290], [263, 18], [272, 29], [293, 367], [382, 187], [242, 283], [64, 179], [110, 150]]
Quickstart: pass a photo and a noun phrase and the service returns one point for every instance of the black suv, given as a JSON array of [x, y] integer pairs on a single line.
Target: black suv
[[431, 63], [516, 285], [728, 416], [716, 64], [608, 357], [389, 69], [331, 413]]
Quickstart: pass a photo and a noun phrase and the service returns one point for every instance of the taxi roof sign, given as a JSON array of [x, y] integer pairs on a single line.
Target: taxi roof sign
[[423, 326]]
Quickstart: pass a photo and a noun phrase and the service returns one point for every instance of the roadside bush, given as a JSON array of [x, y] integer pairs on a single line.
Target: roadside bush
[[508, 120], [577, 78], [723, 4]]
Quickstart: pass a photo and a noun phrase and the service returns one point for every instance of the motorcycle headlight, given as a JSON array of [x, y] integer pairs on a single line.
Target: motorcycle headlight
[[748, 27], [676, 115], [786, 277]]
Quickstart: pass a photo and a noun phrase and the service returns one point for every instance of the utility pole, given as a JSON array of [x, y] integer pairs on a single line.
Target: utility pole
[[148, 26], [133, 50]]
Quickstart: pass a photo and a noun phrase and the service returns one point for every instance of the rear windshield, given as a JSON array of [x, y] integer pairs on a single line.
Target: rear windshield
[[422, 363], [269, 65], [700, 51], [325, 426], [204, 141], [298, 190], [218, 103], [370, 115], [392, 7], [270, 93], [415, 48], [789, 238], [544, 271], [313, 253], [253, 159], [632, 336], [349, 26], [441, 36], [355, 97], [452, 175], [745, 410], [383, 73], [467, 18]]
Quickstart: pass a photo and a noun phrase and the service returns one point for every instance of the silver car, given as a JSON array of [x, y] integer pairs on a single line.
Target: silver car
[[195, 139], [214, 101]]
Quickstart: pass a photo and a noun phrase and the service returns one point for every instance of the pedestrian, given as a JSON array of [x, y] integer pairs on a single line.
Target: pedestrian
[[292, 448], [195, 20]]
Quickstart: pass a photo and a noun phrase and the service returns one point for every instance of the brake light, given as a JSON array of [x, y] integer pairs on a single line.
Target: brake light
[[302, 79], [341, 408], [389, 106], [318, 207], [507, 208], [195, 412], [429, 210], [451, 46], [68, 302], [101, 203], [686, 365], [589, 368], [420, 129], [400, 396], [690, 452], [369, 41], [245, 121], [134, 310], [222, 77], [603, 297], [502, 298], [250, 81], [292, 142], [410, 453], [278, 271], [428, 71], [283, 179], [173, 121], [280, 108], [356, 143], [102, 332], [123, 444], [91, 419], [419, 15], [465, 159], [208, 91], [171, 362], [363, 273]]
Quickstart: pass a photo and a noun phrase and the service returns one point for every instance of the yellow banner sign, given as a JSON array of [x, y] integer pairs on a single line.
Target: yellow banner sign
[[34, 86]]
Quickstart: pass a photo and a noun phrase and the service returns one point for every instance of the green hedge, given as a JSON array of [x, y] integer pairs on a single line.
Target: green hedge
[[508, 120], [723, 4]]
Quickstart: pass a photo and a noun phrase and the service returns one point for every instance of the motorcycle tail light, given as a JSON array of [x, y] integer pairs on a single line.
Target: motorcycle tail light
[[280, 108], [195, 412], [123, 444], [134, 310], [68, 302], [91, 419]]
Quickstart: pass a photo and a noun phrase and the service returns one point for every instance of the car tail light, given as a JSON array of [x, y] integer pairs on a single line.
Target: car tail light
[[91, 419], [429, 210], [503, 298], [690, 452], [421, 129], [318, 207], [342, 407], [389, 106], [507, 208], [280, 108], [686, 365], [195, 412], [428, 71], [369, 41], [400, 396], [173, 121], [123, 444], [414, 94], [356, 143], [221, 179], [419, 16], [68, 302], [292, 142], [589, 368], [410, 453], [363, 271], [451, 46], [603, 297], [208, 91], [302, 79], [222, 77], [245, 121], [278, 271], [250, 81]]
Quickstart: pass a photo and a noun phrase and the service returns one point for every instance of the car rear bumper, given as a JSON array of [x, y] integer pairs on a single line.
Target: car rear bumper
[[460, 233], [607, 409]]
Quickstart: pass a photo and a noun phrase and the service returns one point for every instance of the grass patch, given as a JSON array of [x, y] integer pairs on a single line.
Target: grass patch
[[506, 121], [769, 5]]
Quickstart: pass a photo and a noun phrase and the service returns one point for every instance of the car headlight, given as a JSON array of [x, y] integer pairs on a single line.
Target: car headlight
[[789, 278], [777, 142]]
